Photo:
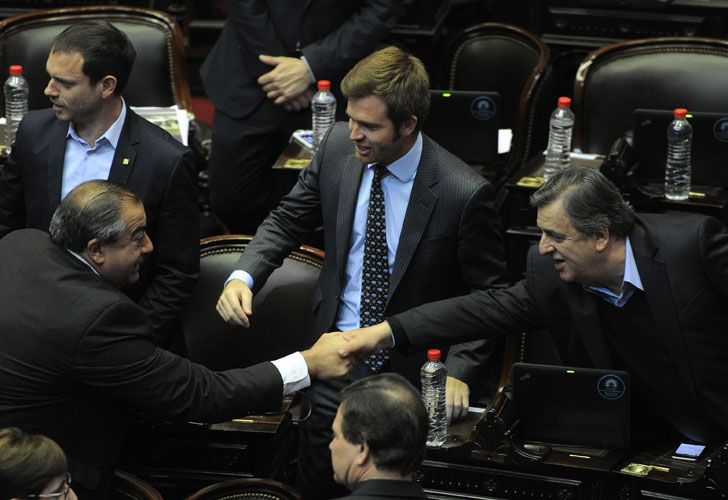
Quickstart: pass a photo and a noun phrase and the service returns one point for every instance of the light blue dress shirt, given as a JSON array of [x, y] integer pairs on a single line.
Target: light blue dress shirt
[[397, 187], [630, 282], [82, 162]]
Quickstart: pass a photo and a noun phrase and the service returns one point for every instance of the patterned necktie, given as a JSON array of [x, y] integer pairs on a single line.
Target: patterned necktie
[[375, 268]]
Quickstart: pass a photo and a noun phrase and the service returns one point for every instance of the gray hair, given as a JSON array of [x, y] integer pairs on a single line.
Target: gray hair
[[592, 202], [92, 210]]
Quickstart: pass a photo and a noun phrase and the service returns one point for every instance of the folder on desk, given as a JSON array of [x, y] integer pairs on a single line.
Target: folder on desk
[[709, 156], [465, 123]]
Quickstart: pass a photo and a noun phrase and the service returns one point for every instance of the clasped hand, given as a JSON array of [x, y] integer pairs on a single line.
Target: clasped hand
[[288, 84]]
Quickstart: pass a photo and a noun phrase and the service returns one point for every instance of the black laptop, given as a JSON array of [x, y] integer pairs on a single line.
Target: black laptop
[[709, 156], [572, 406], [465, 123]]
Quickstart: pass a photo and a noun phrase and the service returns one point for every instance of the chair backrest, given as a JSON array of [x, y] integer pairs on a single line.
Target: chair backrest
[[129, 487], [509, 60], [281, 309], [656, 73], [248, 489], [157, 79]]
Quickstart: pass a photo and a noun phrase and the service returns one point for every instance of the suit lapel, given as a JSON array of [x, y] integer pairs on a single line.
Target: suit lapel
[[653, 273], [54, 166], [126, 149], [584, 312], [351, 174], [419, 209]]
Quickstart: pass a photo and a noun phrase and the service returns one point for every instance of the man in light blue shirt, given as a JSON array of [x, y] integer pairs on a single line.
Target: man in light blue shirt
[[442, 236]]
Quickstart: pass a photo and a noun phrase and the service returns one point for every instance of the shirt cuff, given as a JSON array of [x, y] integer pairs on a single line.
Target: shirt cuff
[[310, 71], [399, 336], [294, 372], [242, 276]]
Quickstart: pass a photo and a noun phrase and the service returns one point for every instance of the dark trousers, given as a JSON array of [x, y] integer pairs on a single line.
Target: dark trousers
[[243, 151], [315, 474]]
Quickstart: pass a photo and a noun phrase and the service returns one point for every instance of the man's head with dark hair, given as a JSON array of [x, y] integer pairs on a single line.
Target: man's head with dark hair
[[104, 222], [388, 101], [89, 65], [30, 464], [105, 49], [380, 430], [584, 224]]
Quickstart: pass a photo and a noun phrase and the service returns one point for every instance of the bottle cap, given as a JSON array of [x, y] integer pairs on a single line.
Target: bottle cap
[[433, 354], [681, 113], [324, 85], [16, 70], [564, 102]]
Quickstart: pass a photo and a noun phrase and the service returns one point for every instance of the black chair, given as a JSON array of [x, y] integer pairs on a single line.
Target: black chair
[[248, 489], [158, 77], [129, 487], [509, 60], [281, 310], [657, 73]]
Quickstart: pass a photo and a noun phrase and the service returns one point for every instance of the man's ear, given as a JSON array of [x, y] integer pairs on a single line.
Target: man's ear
[[602, 241], [95, 251], [408, 126], [108, 86], [363, 456]]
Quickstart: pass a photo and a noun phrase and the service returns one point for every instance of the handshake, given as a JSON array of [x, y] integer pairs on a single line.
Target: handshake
[[335, 354]]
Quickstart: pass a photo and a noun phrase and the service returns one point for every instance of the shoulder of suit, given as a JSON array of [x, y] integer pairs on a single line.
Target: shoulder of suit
[[41, 117], [451, 167]]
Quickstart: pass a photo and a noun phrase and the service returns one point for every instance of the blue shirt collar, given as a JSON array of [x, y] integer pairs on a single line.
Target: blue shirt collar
[[630, 282], [405, 168], [111, 135]]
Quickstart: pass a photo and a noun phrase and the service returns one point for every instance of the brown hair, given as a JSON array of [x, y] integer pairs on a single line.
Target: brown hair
[[28, 462], [399, 78]]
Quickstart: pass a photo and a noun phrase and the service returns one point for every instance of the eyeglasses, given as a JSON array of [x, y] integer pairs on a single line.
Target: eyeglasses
[[62, 492]]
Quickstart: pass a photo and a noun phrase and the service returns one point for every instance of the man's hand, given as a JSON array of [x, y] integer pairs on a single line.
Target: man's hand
[[457, 398], [300, 102], [323, 359], [235, 304], [288, 79], [366, 340]]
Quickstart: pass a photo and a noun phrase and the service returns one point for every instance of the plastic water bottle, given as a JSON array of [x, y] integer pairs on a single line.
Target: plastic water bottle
[[16, 103], [323, 108], [559, 148], [433, 377], [677, 170]]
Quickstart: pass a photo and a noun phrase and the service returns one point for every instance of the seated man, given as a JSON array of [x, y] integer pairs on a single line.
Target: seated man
[[77, 356], [645, 293], [379, 432], [90, 133]]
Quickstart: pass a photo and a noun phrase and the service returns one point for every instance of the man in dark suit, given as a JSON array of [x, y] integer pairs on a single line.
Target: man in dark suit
[[380, 432], [442, 236], [77, 356], [646, 293], [259, 75], [90, 133]]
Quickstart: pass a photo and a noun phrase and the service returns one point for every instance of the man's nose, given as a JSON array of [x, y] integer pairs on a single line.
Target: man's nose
[[544, 245], [354, 131], [51, 90]]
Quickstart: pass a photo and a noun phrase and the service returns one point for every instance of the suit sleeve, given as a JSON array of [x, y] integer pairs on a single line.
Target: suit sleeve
[[482, 264], [713, 238], [115, 356], [177, 247], [295, 218], [338, 51], [12, 211]]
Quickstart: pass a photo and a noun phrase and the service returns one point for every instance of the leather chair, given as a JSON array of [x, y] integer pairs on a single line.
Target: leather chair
[[281, 310], [128, 487], [157, 79], [248, 489], [514, 62], [658, 73]]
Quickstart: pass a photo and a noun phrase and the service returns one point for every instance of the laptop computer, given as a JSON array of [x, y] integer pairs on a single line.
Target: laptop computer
[[465, 123], [572, 406], [709, 146]]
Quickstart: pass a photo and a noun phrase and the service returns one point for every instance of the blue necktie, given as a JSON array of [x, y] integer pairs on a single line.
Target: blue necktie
[[375, 268]]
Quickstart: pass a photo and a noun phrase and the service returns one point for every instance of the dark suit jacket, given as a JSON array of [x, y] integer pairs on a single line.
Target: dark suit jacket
[[158, 169], [332, 34], [450, 242], [382, 488], [682, 260], [77, 357]]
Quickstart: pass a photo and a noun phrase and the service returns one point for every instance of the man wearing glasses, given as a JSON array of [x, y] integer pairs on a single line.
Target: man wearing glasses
[[77, 355]]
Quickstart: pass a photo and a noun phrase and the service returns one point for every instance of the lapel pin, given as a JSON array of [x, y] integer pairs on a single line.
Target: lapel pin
[[125, 162]]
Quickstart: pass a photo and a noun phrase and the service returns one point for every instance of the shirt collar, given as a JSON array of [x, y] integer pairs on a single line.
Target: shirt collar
[[630, 282], [405, 168], [78, 256], [111, 135]]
